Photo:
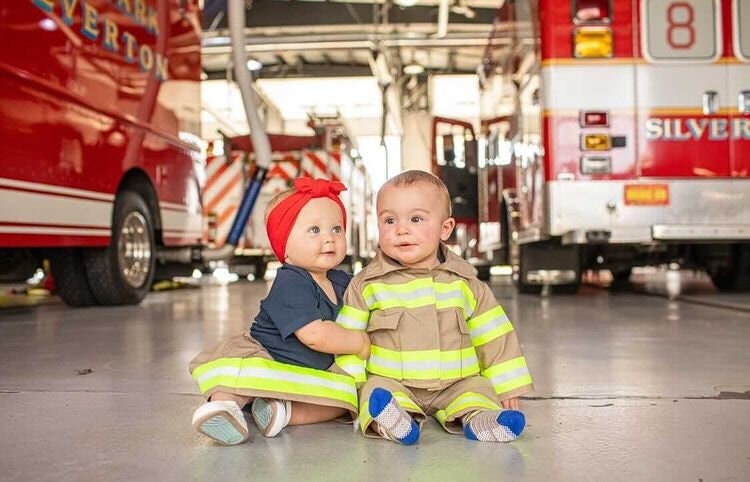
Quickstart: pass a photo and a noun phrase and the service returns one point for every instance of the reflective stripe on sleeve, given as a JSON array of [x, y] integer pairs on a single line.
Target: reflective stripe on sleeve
[[352, 318], [489, 325], [508, 375], [353, 365], [270, 375]]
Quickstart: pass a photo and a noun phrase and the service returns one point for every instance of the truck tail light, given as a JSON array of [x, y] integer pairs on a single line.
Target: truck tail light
[[596, 165], [596, 142], [592, 42], [594, 119], [585, 11]]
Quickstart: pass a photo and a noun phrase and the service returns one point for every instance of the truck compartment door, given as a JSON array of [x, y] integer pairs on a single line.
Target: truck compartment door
[[739, 89], [682, 90]]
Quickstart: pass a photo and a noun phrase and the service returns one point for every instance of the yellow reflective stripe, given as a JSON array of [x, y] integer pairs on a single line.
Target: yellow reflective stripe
[[517, 382], [415, 293], [402, 399], [496, 332], [406, 402], [353, 365], [423, 364], [455, 294], [418, 302], [270, 375], [420, 292], [489, 325], [352, 318], [468, 400], [364, 415], [372, 288], [508, 375]]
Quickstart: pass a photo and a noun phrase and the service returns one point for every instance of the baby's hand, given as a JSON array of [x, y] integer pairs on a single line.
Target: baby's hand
[[511, 403], [364, 352]]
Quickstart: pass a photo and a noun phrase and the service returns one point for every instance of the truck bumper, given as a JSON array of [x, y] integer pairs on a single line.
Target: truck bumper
[[710, 210]]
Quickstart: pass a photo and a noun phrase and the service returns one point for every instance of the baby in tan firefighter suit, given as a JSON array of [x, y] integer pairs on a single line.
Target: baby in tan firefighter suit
[[441, 345], [284, 363]]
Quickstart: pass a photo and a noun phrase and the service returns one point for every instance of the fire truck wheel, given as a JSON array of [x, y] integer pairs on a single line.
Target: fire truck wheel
[[521, 272], [621, 279], [122, 273], [735, 275], [70, 278]]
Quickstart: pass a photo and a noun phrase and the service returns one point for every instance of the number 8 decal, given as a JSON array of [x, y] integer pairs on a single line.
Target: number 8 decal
[[681, 30], [680, 16]]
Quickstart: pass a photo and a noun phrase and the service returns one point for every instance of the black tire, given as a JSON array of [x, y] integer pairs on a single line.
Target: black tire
[[520, 280], [69, 273], [547, 255], [621, 279], [120, 280], [735, 275]]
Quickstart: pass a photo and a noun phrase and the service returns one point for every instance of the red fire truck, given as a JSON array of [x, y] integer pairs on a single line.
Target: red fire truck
[[616, 134], [100, 163]]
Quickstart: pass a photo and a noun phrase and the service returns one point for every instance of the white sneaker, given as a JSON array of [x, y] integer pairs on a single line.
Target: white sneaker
[[222, 421], [271, 415]]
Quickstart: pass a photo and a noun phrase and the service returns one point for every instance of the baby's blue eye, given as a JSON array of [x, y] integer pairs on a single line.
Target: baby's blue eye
[[314, 230], [338, 229]]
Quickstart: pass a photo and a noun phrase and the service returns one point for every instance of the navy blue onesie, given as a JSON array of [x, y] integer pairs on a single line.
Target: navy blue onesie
[[295, 300]]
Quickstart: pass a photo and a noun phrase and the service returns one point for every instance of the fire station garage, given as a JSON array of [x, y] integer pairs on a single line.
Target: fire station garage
[[544, 205]]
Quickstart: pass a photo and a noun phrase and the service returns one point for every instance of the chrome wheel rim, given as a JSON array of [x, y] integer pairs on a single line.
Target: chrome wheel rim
[[134, 249]]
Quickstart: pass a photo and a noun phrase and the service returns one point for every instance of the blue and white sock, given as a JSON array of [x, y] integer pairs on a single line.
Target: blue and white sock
[[393, 421], [494, 426]]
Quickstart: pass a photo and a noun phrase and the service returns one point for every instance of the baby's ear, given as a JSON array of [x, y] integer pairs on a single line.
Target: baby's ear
[[447, 228]]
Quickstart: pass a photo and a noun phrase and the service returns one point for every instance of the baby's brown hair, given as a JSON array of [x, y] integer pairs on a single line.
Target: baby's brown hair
[[408, 178]]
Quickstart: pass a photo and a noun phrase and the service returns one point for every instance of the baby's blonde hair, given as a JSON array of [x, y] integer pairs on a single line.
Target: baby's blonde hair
[[407, 178], [275, 202]]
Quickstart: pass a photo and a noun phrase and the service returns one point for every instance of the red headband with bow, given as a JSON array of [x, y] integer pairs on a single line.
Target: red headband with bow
[[281, 219]]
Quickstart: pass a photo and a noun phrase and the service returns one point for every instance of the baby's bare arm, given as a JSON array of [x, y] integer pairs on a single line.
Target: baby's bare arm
[[328, 337]]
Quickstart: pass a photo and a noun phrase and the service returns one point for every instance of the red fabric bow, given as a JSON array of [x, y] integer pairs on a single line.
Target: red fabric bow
[[281, 219], [318, 187]]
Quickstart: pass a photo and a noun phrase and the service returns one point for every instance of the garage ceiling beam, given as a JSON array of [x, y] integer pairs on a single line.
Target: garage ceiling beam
[[300, 43], [302, 71], [275, 13]]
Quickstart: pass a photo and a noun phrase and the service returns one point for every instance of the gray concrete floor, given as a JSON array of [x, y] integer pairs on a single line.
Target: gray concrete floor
[[629, 387]]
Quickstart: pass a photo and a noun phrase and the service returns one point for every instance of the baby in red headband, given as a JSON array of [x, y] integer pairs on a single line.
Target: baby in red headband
[[284, 363]]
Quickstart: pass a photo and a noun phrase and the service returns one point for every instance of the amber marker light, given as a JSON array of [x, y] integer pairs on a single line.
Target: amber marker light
[[592, 42], [596, 142]]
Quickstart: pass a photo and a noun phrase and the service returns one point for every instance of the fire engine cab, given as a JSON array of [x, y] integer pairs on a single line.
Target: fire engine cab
[[616, 134]]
